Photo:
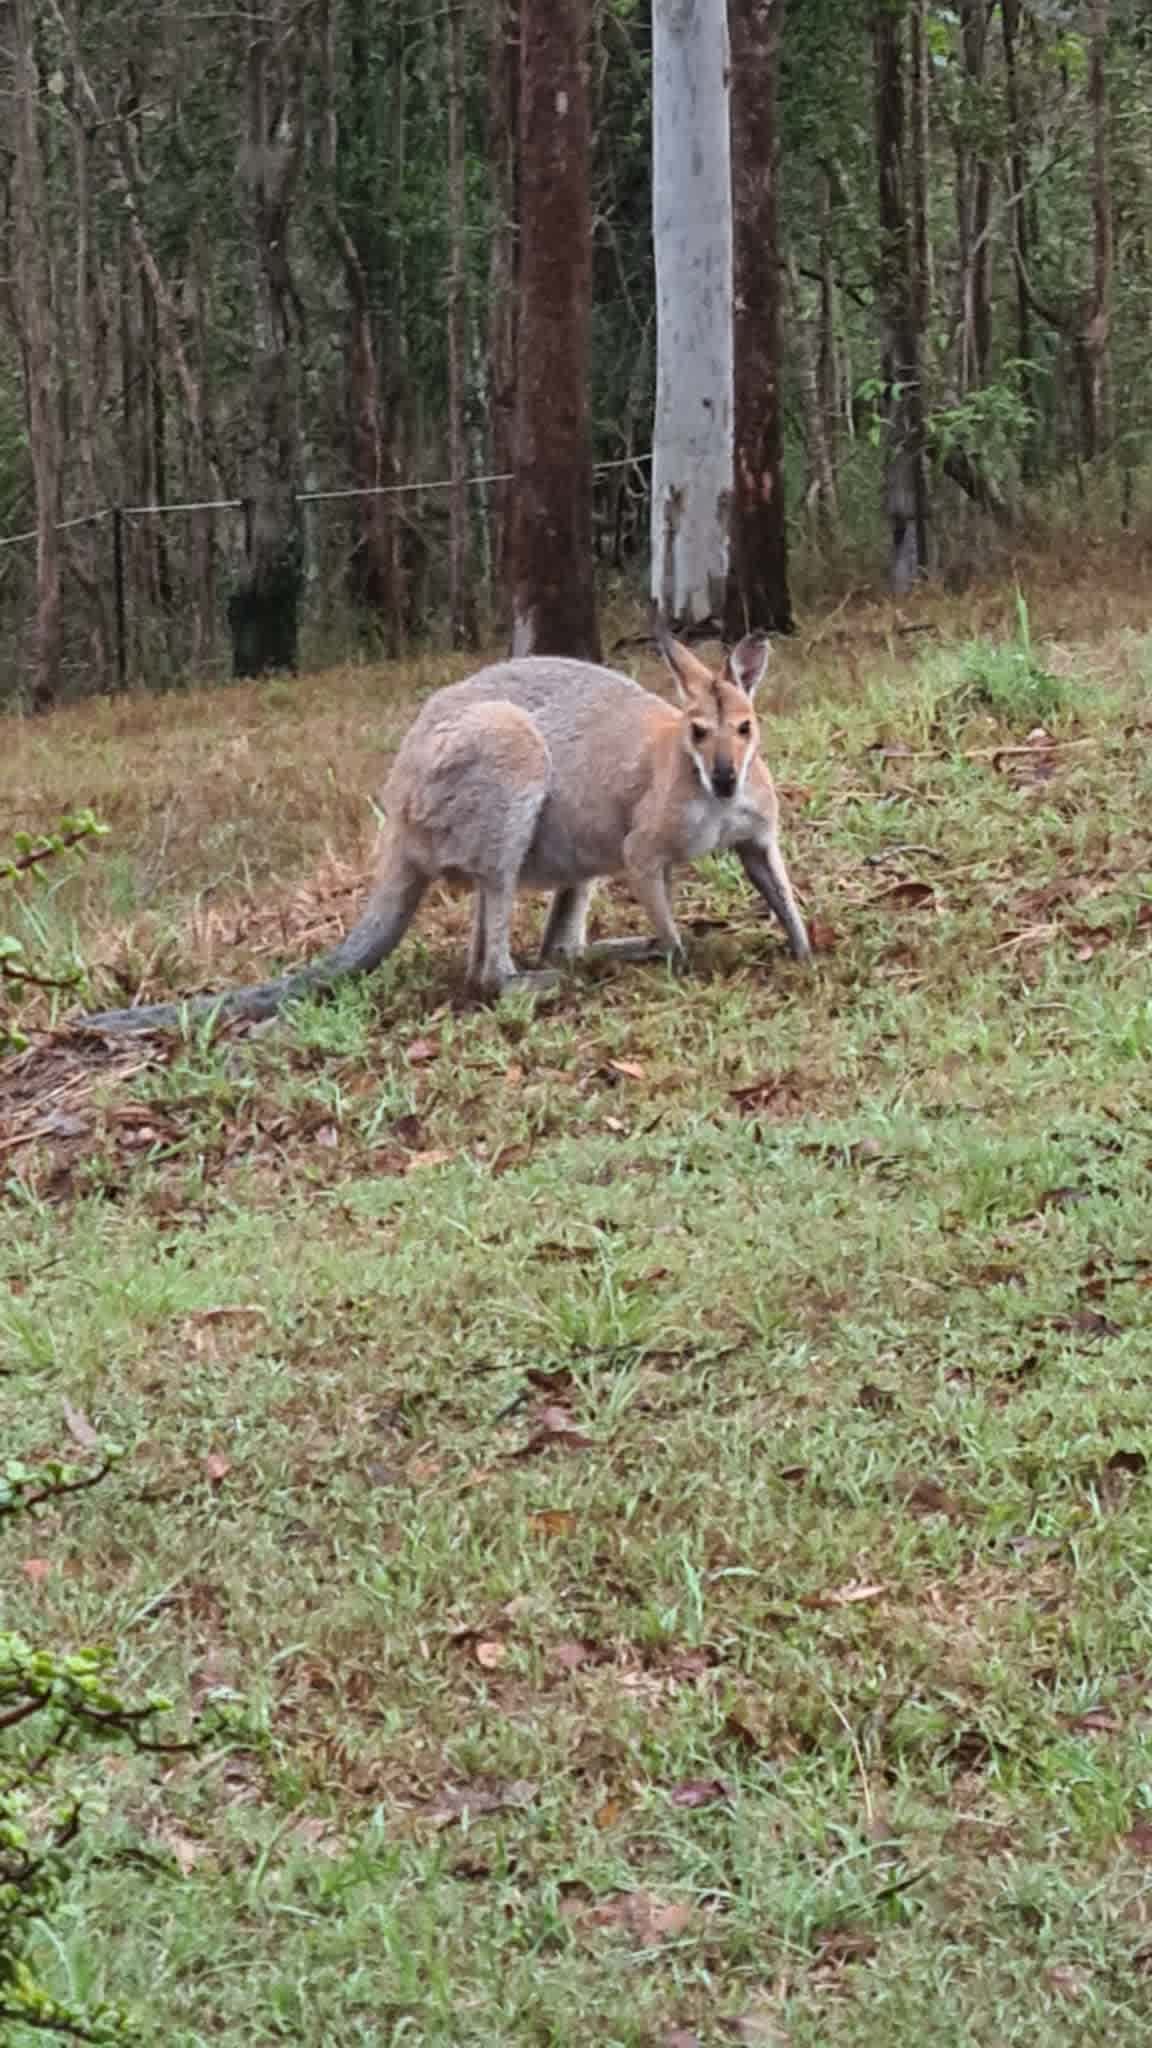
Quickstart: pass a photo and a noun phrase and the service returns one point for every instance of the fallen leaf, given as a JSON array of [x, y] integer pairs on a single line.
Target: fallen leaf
[[553, 1521], [878, 1399], [216, 1466], [1096, 1721], [36, 1569], [694, 1792], [1063, 1198], [928, 1497], [648, 1919], [421, 1051], [555, 1431], [491, 1655], [1138, 1839], [758, 2029], [572, 1656], [507, 1157], [907, 895], [1087, 1322], [822, 937], [845, 1944], [794, 1474], [679, 2037], [459, 1802], [606, 1816], [328, 1136], [844, 1596], [240, 1311], [185, 1850], [437, 1157], [629, 1070], [1067, 1981], [1134, 1462], [80, 1429]]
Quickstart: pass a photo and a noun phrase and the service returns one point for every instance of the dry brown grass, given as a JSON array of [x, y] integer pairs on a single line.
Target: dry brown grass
[[241, 823]]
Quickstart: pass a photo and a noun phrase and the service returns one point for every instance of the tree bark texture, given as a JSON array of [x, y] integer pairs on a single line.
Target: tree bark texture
[[899, 294], [973, 205], [35, 319], [1095, 326], [757, 597], [461, 596], [1017, 190], [692, 230], [551, 566], [263, 610], [503, 269]]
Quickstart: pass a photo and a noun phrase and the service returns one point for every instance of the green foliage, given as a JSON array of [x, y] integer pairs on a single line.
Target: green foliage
[[990, 424], [1006, 678], [57, 1702], [30, 852]]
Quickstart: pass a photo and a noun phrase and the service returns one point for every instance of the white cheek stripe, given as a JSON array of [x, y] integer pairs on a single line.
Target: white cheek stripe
[[701, 770]]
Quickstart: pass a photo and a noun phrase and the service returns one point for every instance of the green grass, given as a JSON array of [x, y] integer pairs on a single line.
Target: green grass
[[680, 1529]]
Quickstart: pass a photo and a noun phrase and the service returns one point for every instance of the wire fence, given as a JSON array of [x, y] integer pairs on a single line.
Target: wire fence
[[141, 605]]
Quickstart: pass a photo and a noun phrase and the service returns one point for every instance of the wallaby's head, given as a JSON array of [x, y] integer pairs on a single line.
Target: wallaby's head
[[721, 734]]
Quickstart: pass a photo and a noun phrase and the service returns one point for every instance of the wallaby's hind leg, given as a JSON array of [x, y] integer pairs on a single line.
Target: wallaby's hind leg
[[497, 878], [765, 869]]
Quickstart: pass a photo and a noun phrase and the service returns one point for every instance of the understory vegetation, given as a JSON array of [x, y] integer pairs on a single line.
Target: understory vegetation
[[663, 1467]]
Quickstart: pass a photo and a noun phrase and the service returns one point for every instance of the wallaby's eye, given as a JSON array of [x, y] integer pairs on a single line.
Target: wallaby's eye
[[745, 728], [699, 733]]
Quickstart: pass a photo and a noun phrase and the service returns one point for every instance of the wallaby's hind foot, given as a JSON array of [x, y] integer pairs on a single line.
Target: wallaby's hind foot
[[637, 949]]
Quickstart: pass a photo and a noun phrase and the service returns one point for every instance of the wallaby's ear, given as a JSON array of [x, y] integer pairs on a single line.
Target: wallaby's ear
[[688, 673], [747, 661]]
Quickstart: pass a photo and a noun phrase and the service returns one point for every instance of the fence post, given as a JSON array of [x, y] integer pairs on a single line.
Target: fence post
[[118, 587]]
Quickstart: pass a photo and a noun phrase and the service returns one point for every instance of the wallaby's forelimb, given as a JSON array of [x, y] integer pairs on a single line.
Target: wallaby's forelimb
[[391, 908], [769, 877]]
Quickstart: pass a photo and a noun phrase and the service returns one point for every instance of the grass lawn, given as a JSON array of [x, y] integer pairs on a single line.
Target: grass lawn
[[665, 1471]]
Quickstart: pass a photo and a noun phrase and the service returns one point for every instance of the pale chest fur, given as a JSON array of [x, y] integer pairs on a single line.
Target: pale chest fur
[[709, 825]]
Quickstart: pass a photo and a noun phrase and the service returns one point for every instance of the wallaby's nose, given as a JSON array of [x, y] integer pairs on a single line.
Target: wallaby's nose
[[723, 778]]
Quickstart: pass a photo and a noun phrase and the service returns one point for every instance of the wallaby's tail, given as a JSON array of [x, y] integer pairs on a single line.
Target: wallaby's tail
[[390, 910]]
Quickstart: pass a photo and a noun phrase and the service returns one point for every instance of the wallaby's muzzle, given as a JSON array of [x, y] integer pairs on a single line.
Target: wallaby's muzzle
[[723, 777]]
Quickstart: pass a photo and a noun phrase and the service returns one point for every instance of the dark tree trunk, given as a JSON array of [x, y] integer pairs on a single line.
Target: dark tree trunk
[[1017, 190], [899, 294], [31, 298], [1095, 327], [550, 554], [973, 205], [756, 596], [461, 597], [263, 611], [362, 228], [503, 269]]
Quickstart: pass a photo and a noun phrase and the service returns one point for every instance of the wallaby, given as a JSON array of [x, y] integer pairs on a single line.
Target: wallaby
[[545, 773]]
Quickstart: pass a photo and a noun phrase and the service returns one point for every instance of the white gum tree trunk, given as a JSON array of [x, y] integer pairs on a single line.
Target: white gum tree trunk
[[692, 229]]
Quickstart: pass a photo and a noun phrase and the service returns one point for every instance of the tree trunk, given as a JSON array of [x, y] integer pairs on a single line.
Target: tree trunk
[[692, 227], [461, 598], [899, 295], [551, 570], [1095, 329], [34, 316], [503, 269], [1017, 189], [973, 207], [361, 222], [757, 597], [263, 611]]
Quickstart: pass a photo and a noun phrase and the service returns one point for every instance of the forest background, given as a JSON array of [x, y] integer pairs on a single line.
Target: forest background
[[263, 265]]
